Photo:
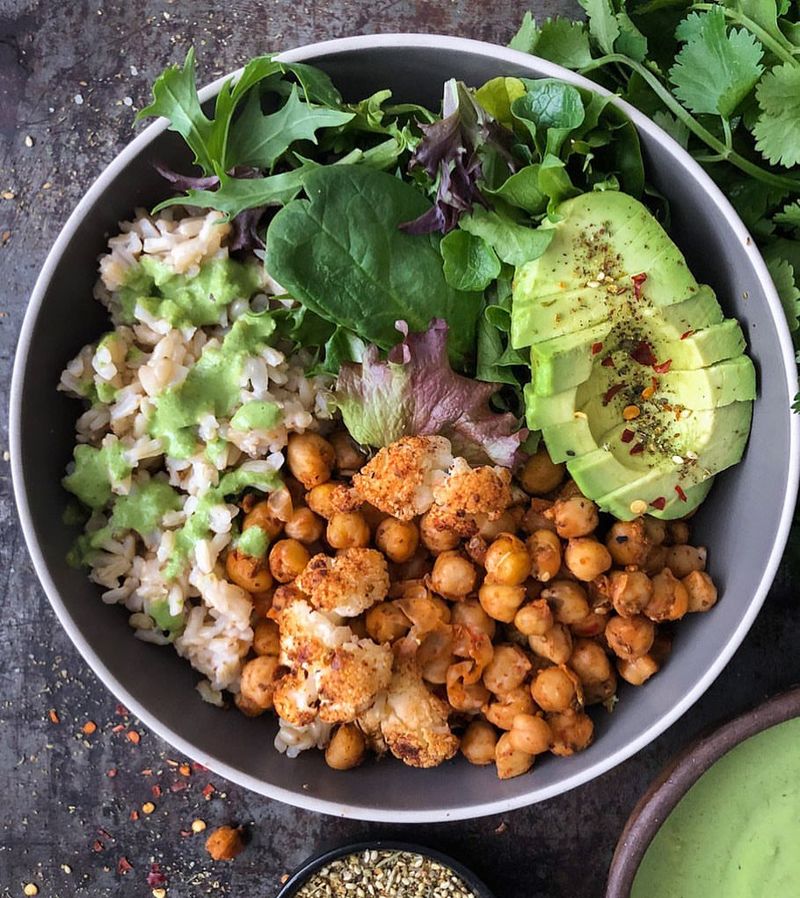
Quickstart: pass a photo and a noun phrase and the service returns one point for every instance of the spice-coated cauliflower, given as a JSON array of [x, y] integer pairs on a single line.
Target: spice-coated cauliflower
[[400, 479], [468, 497], [347, 583]]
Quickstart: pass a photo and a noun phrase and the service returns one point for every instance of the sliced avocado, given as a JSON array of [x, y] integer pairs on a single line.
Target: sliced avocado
[[638, 382]]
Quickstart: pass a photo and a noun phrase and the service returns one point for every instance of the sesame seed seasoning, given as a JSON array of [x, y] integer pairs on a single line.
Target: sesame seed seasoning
[[638, 506], [30, 889]]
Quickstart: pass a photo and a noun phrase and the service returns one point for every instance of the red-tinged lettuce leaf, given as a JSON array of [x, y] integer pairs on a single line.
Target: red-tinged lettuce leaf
[[415, 392]]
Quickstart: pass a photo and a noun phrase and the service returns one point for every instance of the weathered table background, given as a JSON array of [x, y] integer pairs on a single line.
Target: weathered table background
[[71, 75]]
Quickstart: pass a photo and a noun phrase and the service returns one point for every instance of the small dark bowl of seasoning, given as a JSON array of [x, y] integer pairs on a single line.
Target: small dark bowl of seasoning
[[383, 870]]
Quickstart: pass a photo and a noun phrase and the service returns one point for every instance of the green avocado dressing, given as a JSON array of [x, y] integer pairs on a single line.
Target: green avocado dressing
[[257, 415], [183, 300], [210, 387], [253, 542], [735, 833], [95, 470]]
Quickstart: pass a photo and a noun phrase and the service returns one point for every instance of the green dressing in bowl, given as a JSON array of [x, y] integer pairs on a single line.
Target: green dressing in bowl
[[736, 832]]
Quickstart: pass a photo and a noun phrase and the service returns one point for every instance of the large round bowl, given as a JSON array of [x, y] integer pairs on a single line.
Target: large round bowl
[[744, 522]]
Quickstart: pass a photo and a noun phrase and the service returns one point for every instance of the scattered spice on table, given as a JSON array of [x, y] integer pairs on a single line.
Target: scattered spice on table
[[385, 874]]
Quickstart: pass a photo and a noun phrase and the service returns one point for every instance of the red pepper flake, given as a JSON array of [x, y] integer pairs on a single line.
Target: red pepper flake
[[680, 492], [185, 770], [642, 353], [611, 392], [133, 736], [111, 772], [178, 786], [208, 791], [97, 845], [155, 877], [124, 866], [134, 815], [118, 728], [156, 790], [185, 833], [627, 435], [198, 767], [663, 367], [659, 503], [637, 449], [686, 334], [147, 771], [608, 362], [53, 715], [105, 834], [597, 347], [89, 727], [638, 280], [122, 711]]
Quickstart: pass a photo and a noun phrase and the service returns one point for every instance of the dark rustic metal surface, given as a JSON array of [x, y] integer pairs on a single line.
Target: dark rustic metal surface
[[71, 73]]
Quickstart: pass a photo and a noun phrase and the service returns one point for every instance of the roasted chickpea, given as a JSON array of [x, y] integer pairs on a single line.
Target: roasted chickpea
[[627, 542], [248, 571], [470, 614], [670, 599], [596, 693], [592, 625], [683, 559], [501, 602], [530, 733], [637, 671], [348, 456], [507, 560], [385, 622], [539, 475], [574, 517], [630, 591], [572, 731], [463, 696], [262, 602], [348, 530], [655, 530], [556, 689], [321, 499], [346, 748], [479, 742], [534, 619], [655, 560], [261, 515], [310, 458], [436, 540], [506, 523], [587, 558], [248, 708], [568, 601], [569, 489], [630, 637], [359, 626], [701, 591], [266, 638], [398, 540], [453, 576], [476, 548], [555, 645], [304, 526], [544, 547], [536, 518], [258, 680], [509, 761], [287, 560], [590, 662], [678, 533], [507, 669], [502, 711]]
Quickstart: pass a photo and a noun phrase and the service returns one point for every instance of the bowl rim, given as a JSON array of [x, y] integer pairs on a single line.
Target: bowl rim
[[678, 777], [354, 810], [317, 861]]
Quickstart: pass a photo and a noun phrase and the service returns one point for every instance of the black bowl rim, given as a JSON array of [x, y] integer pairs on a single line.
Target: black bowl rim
[[317, 861], [680, 774]]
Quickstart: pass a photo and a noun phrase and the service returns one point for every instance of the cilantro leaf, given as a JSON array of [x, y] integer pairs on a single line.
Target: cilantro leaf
[[603, 24], [777, 130], [783, 276], [716, 68], [563, 42], [676, 129], [526, 36], [789, 215], [631, 41], [175, 97], [260, 140]]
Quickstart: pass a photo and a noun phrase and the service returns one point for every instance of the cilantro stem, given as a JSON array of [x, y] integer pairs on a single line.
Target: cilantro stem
[[726, 153], [779, 49]]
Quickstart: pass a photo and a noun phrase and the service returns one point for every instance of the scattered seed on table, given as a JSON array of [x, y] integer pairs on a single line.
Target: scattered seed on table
[[148, 807], [385, 874], [30, 888], [198, 825]]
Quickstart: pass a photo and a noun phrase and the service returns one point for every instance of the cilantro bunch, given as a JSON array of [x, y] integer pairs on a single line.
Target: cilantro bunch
[[723, 79]]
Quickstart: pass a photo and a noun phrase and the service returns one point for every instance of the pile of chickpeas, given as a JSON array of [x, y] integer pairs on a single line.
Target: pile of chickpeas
[[531, 620]]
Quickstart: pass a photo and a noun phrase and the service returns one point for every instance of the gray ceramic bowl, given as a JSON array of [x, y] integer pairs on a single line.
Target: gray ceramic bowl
[[744, 522]]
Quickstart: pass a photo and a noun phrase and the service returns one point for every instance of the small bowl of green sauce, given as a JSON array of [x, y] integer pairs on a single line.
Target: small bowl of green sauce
[[383, 869], [723, 818]]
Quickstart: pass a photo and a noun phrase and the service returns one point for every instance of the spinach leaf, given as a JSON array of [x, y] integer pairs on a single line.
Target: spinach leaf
[[341, 253], [522, 190], [469, 262], [550, 110], [513, 242]]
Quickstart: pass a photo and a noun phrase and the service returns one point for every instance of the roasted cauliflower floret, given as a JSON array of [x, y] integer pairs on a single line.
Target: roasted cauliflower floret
[[414, 724], [399, 480], [348, 583], [468, 497], [333, 674]]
